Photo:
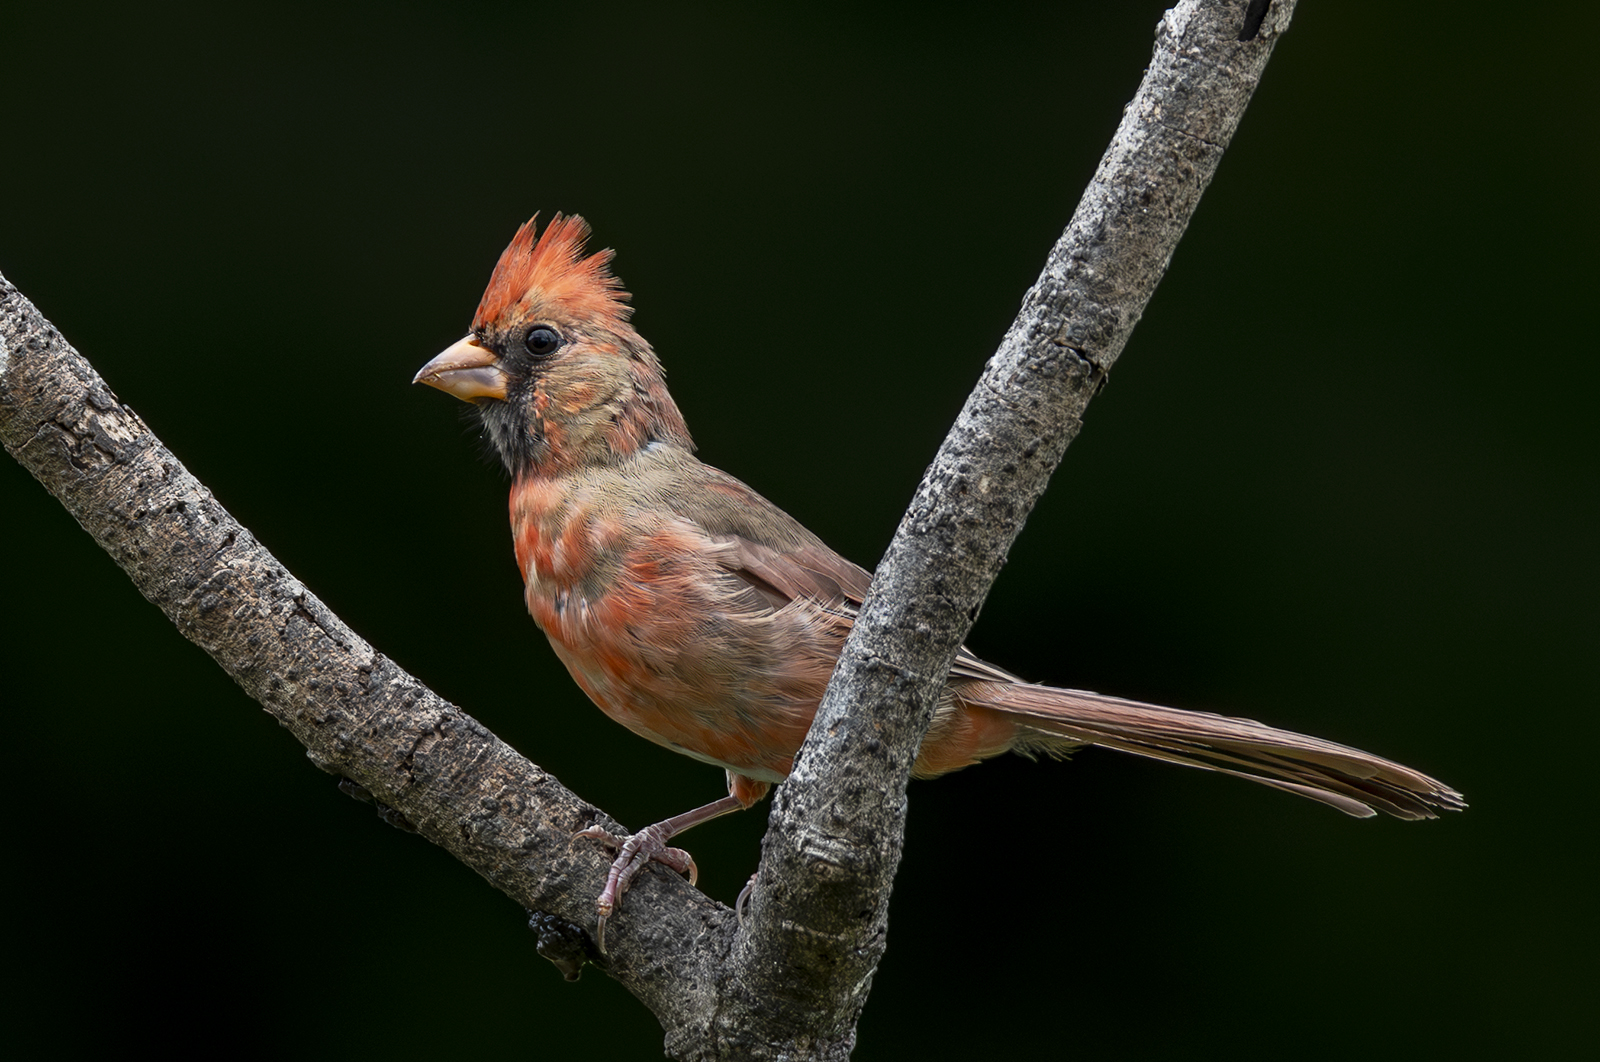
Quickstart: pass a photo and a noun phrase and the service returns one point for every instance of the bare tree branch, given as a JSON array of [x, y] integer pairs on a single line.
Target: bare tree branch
[[794, 982], [359, 715], [838, 823]]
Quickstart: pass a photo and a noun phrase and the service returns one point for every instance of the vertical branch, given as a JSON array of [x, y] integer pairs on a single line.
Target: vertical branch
[[818, 925]]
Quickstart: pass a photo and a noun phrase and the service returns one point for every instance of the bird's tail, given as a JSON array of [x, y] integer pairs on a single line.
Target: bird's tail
[[1357, 783]]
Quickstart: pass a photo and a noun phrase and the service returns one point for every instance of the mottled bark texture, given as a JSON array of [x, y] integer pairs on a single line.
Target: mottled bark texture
[[793, 983], [818, 929]]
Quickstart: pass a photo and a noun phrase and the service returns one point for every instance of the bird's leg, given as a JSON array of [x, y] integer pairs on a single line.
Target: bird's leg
[[649, 845]]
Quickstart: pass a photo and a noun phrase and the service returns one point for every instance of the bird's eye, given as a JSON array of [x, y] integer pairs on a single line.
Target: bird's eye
[[542, 341]]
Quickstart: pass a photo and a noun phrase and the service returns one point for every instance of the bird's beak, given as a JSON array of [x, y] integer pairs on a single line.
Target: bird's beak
[[467, 370]]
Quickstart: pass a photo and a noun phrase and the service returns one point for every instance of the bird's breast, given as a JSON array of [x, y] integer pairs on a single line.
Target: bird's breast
[[568, 547], [642, 608]]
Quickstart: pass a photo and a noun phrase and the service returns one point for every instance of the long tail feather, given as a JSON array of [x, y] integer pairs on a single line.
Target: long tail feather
[[1357, 783]]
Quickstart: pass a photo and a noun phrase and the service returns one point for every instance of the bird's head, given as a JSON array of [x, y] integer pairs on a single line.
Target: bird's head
[[559, 376]]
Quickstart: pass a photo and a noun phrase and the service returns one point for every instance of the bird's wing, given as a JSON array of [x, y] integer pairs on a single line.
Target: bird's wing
[[782, 561], [771, 550]]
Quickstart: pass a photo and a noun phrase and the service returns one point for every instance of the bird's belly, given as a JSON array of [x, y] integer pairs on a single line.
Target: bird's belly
[[655, 625], [717, 688]]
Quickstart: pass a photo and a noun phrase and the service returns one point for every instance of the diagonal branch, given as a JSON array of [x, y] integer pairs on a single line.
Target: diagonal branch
[[359, 715], [795, 981]]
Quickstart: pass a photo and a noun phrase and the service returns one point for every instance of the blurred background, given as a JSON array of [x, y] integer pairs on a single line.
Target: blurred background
[[1343, 480]]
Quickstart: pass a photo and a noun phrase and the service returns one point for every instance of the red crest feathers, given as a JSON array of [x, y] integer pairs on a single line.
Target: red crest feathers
[[553, 269]]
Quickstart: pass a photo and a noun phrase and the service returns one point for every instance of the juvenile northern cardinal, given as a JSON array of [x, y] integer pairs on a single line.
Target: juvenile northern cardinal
[[701, 616]]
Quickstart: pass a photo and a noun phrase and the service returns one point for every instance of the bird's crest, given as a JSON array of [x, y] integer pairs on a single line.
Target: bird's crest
[[554, 267]]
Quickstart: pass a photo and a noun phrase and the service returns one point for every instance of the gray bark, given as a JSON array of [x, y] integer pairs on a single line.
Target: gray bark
[[837, 824], [793, 982]]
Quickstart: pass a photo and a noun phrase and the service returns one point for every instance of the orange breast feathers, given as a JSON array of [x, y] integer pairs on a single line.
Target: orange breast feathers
[[651, 617]]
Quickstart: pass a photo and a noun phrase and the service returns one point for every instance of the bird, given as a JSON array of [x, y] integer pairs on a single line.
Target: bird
[[704, 618]]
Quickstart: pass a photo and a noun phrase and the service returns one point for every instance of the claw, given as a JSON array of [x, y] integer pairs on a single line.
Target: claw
[[633, 855], [649, 845], [604, 836], [742, 904]]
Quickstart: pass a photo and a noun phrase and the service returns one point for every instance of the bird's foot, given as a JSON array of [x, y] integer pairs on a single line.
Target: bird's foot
[[647, 846], [742, 904]]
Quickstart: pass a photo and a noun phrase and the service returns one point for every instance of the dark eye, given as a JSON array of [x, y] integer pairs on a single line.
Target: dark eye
[[542, 341]]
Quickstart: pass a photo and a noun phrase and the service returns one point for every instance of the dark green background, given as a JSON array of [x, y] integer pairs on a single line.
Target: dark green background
[[1343, 481]]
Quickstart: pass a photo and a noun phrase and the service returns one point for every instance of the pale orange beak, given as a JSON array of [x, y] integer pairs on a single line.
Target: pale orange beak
[[467, 370]]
